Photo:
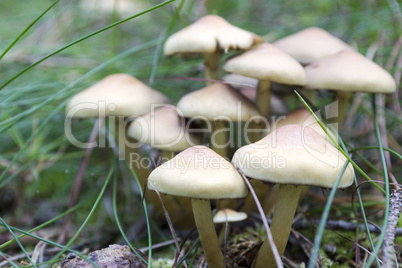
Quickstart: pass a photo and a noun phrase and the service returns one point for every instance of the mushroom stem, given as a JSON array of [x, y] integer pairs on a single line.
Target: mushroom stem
[[206, 230], [285, 208], [219, 138], [255, 131], [263, 97], [211, 62], [166, 156], [344, 98]]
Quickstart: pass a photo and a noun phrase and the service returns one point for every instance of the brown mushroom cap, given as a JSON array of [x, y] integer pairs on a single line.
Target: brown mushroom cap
[[349, 71], [122, 94], [217, 100], [267, 62], [163, 129], [310, 45], [294, 154], [198, 172], [209, 34]]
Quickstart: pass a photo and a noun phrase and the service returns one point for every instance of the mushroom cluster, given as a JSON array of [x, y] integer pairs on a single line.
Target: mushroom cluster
[[291, 154]]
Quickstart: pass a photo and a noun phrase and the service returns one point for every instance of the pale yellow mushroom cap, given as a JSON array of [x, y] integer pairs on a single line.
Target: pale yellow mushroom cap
[[267, 62], [209, 34], [115, 95], [310, 45], [301, 116], [218, 102], [198, 172], [349, 71], [294, 154], [163, 129], [229, 215]]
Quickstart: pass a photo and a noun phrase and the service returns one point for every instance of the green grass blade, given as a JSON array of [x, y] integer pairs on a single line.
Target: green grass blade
[[337, 145], [144, 205], [324, 217], [61, 105], [27, 29], [49, 242], [82, 39], [386, 180], [118, 221], [158, 49], [18, 241], [365, 219], [27, 143], [376, 148], [9, 261], [44, 224], [195, 245], [98, 199], [64, 92]]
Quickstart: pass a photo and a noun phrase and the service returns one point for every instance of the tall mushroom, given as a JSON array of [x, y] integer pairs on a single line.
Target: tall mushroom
[[218, 103], [346, 72], [209, 36], [267, 64], [200, 174], [294, 157]]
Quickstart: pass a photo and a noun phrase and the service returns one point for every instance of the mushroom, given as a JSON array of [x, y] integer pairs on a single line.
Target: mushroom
[[218, 103], [267, 64], [345, 72], [200, 174], [128, 96], [227, 216], [117, 95], [123, 96], [164, 130], [209, 36], [310, 45], [294, 157]]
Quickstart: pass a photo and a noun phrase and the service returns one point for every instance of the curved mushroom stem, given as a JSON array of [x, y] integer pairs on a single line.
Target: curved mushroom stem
[[211, 62], [285, 208], [219, 138], [206, 230], [263, 97], [344, 98]]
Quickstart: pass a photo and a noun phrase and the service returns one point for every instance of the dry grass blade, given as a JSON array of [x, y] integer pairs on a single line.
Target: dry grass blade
[[75, 190], [264, 221], [169, 221]]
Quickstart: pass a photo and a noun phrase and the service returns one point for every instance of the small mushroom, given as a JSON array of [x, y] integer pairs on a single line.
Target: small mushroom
[[200, 174], [227, 215], [209, 36], [294, 157]]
